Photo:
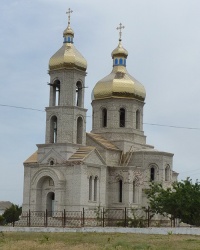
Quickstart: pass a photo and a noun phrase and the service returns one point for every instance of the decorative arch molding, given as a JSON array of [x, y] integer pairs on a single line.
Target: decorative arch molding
[[55, 175], [52, 115], [79, 115], [93, 176], [55, 79]]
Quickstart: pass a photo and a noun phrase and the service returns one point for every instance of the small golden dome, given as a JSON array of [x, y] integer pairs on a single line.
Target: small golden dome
[[119, 84], [119, 51], [67, 56], [68, 31]]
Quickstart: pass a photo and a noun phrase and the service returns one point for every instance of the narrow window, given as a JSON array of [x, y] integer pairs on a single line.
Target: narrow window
[[79, 94], [152, 174], [104, 118], [120, 190], [116, 61], [56, 93], [122, 117], [95, 188], [53, 130], [79, 130], [121, 61], [167, 171], [137, 119], [90, 188], [134, 192]]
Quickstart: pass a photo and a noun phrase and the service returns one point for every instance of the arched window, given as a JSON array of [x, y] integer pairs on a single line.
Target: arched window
[[120, 190], [79, 90], [134, 192], [90, 188], [53, 129], [122, 117], [167, 173], [95, 188], [104, 118], [152, 174], [56, 93], [137, 119], [79, 130], [121, 61], [116, 61]]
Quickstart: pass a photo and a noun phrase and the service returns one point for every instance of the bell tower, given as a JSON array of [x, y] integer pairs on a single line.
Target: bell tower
[[66, 115], [118, 100]]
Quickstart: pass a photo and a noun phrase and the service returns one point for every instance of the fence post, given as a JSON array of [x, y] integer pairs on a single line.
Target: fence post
[[125, 217], [46, 218], [29, 217], [103, 216], [64, 218], [83, 224]]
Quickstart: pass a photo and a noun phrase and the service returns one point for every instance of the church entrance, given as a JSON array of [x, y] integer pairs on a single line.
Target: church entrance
[[45, 194], [50, 203]]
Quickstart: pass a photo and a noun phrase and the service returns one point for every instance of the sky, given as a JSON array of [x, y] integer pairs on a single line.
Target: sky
[[163, 41]]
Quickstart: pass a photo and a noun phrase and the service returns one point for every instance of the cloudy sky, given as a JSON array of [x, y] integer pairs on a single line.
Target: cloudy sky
[[163, 41]]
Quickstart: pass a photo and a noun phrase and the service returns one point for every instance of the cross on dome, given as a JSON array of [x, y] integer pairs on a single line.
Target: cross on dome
[[68, 13], [120, 31]]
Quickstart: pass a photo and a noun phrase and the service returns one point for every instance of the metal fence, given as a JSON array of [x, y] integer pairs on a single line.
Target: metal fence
[[99, 217]]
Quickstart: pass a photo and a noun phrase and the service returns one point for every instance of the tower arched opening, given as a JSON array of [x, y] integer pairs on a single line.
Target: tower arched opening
[[122, 117], [79, 138], [56, 93], [137, 119], [79, 94], [53, 129], [104, 117]]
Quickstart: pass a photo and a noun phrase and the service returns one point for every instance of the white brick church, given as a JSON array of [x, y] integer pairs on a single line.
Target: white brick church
[[109, 167]]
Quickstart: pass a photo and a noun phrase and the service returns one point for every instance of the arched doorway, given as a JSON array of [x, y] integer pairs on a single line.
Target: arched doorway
[[45, 194]]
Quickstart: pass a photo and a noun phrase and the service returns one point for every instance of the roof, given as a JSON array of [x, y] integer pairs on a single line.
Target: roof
[[81, 153], [32, 158], [102, 141]]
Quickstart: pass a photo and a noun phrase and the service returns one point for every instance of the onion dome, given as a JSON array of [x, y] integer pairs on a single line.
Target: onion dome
[[68, 56], [119, 83]]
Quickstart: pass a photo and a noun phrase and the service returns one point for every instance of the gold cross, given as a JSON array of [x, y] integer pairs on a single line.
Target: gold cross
[[120, 31], [69, 12]]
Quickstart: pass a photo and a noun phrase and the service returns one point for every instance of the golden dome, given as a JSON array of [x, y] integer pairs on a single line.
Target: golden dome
[[120, 84], [68, 31], [119, 51], [67, 56]]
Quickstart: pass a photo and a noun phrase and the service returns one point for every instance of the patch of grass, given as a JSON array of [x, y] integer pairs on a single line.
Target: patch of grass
[[96, 241]]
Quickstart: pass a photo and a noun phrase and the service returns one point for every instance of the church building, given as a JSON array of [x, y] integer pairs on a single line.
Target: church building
[[112, 165]]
